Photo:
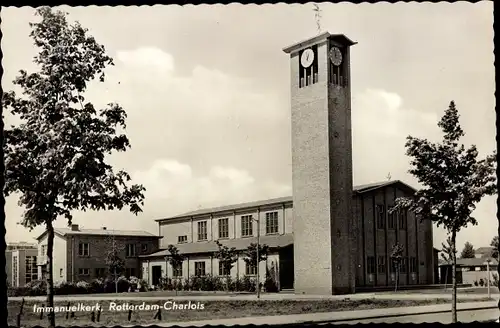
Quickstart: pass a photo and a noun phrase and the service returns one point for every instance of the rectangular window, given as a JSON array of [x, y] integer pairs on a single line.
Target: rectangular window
[[381, 264], [402, 219], [413, 264], [271, 223], [404, 265], [130, 272], [44, 250], [246, 226], [60, 273], [223, 228], [84, 249], [199, 269], [14, 271], [177, 270], [100, 272], [31, 268], [391, 218], [223, 270], [130, 250], [380, 216], [370, 264], [84, 272], [182, 239], [250, 269], [202, 230]]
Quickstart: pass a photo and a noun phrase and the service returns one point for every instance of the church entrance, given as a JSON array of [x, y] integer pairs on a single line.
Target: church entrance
[[286, 272]]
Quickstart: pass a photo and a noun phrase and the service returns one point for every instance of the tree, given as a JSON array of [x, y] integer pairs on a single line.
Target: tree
[[114, 262], [397, 259], [251, 254], [494, 244], [447, 250], [175, 259], [227, 257], [468, 251], [454, 180], [55, 156]]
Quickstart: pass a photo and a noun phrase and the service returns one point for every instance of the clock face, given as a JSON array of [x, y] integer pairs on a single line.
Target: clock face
[[307, 58], [335, 56]]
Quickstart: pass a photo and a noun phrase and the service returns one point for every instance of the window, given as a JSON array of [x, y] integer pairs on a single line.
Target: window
[[83, 249], [381, 264], [182, 239], [380, 217], [402, 219], [223, 228], [271, 222], [391, 219], [202, 230], [44, 250], [14, 271], [177, 270], [144, 248], [130, 272], [413, 264], [223, 270], [250, 269], [60, 273], [370, 264], [31, 268], [84, 272], [404, 264], [100, 272], [246, 226], [130, 250], [199, 269]]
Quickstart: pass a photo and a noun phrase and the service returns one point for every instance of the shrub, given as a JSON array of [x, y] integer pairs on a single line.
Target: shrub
[[481, 282], [495, 280], [83, 287], [187, 285], [65, 288], [134, 282], [97, 285], [18, 291], [123, 284], [36, 288], [475, 283], [109, 285]]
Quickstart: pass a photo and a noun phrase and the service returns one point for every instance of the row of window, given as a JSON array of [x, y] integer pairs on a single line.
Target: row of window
[[101, 272], [395, 220], [84, 249], [380, 265], [199, 269], [246, 227]]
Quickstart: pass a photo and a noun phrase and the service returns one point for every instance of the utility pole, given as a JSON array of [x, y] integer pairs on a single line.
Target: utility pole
[[258, 258]]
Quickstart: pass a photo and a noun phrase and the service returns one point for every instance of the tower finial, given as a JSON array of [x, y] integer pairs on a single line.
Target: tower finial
[[317, 16], [389, 176]]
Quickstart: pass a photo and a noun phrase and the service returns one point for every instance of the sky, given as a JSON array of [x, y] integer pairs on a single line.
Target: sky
[[206, 90]]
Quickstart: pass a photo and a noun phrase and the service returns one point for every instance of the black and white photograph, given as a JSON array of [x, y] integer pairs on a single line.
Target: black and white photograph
[[245, 164]]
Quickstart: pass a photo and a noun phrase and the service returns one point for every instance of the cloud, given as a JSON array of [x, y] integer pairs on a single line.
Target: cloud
[[178, 188]]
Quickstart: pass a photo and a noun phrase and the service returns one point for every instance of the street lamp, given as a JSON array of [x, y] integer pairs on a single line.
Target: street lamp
[[258, 247]]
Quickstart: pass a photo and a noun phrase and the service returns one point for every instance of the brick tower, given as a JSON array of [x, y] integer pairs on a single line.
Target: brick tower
[[323, 228]]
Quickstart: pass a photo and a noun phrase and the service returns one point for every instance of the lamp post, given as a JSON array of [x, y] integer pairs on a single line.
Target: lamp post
[[258, 258], [488, 279]]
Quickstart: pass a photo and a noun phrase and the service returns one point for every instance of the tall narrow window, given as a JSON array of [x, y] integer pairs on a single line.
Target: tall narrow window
[[271, 222], [246, 226], [223, 228], [381, 264], [130, 250], [380, 213], [402, 219], [413, 264], [83, 249], [202, 230], [391, 218], [199, 269], [404, 265], [250, 269], [370, 264]]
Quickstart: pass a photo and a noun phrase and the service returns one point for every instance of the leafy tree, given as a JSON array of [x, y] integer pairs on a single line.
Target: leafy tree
[[468, 251], [494, 244], [397, 259], [227, 257], [175, 259], [114, 262], [454, 180], [55, 156], [251, 258], [447, 250]]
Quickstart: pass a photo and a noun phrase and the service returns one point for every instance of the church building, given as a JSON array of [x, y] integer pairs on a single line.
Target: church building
[[328, 237]]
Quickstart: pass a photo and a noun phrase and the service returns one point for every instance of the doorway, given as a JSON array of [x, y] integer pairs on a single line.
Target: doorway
[[156, 273], [286, 272]]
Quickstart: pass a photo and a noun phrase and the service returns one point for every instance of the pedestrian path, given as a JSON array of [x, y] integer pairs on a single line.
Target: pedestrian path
[[333, 316]]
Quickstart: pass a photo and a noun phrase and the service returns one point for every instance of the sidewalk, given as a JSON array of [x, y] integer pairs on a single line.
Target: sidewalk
[[248, 297], [328, 317]]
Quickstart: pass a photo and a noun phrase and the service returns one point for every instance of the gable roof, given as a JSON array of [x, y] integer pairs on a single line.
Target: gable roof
[[471, 262], [484, 250], [64, 232], [287, 199], [273, 241]]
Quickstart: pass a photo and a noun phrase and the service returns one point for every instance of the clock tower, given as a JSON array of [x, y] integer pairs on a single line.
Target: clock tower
[[323, 224]]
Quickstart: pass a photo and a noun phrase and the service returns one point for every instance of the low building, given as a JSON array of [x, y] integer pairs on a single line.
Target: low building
[[20, 263], [80, 254], [469, 271], [483, 252], [195, 233]]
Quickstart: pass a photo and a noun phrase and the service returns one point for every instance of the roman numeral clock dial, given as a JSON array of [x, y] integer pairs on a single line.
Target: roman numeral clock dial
[[336, 56], [307, 58]]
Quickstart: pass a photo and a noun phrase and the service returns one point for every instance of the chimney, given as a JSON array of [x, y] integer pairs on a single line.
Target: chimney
[[74, 227], [103, 228]]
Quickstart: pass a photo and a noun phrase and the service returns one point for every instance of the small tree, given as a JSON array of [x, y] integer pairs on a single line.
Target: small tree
[[175, 259], [397, 259], [251, 257], [227, 257], [454, 180], [114, 262], [55, 157], [447, 256], [494, 244], [468, 252]]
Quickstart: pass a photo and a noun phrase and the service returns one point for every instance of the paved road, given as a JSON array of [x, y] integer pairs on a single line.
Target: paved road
[[463, 316]]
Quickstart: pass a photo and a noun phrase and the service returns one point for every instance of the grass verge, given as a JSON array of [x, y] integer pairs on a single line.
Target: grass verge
[[211, 310]]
